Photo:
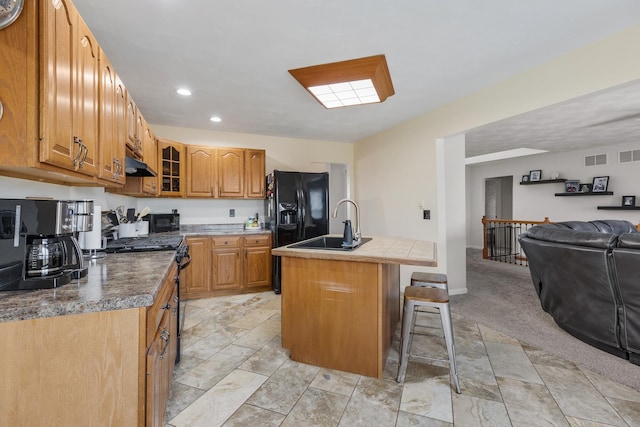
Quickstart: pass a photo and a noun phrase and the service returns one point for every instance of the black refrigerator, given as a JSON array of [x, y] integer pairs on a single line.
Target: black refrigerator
[[296, 208]]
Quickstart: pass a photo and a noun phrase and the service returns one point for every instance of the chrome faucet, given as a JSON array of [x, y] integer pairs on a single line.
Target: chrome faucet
[[357, 235]]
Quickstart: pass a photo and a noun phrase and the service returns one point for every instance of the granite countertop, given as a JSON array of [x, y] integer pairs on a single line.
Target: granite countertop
[[219, 229], [380, 249], [114, 282]]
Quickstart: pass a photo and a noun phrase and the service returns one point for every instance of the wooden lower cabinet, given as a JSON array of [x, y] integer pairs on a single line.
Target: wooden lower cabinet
[[109, 368], [227, 265]]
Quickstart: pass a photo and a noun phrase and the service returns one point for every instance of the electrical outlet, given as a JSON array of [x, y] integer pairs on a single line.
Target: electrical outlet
[[232, 213], [426, 214]]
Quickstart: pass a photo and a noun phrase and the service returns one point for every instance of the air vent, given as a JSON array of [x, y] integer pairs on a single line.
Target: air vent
[[629, 156], [596, 160]]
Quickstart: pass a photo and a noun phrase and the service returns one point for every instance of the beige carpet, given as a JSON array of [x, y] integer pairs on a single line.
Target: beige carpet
[[502, 297]]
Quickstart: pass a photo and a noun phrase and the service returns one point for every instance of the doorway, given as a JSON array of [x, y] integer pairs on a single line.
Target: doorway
[[498, 197]]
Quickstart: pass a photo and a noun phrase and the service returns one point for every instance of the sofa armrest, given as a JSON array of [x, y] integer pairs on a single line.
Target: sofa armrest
[[572, 237], [630, 240]]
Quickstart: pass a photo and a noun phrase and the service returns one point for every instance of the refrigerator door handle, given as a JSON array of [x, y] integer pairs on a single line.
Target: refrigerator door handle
[[300, 213]]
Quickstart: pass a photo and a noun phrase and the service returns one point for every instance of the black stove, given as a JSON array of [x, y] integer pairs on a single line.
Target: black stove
[[144, 243]]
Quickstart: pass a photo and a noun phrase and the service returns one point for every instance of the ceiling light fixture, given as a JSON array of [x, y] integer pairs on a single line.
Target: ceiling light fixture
[[353, 82], [184, 92], [215, 119]]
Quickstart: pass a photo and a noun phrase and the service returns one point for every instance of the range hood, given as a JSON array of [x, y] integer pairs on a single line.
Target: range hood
[[135, 167]]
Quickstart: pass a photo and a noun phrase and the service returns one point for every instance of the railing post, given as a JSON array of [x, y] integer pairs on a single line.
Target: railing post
[[485, 253]]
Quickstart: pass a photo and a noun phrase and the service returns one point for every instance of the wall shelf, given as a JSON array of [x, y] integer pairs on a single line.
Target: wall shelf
[[619, 208], [544, 181], [591, 193]]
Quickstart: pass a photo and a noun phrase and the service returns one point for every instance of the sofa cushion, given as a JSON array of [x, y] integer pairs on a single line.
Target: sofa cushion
[[615, 226]]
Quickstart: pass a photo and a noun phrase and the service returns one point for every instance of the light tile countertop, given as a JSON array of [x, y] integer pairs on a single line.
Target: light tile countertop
[[380, 249]]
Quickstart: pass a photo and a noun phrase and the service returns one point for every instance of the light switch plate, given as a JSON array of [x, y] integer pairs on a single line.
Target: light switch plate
[[232, 213]]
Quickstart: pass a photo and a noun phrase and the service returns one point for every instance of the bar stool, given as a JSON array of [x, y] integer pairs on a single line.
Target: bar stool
[[418, 296], [430, 280]]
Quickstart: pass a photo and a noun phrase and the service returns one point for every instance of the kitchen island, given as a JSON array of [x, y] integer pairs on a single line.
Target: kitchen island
[[340, 309]]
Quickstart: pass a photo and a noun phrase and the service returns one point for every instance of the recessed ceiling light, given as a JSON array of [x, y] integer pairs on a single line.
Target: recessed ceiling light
[[352, 82], [184, 92], [215, 119]]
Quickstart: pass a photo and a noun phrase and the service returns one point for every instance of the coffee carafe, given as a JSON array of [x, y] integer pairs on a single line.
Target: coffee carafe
[[45, 257]]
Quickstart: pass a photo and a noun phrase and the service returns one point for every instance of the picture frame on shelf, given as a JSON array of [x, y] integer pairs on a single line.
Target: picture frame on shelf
[[628, 201], [525, 178], [600, 184], [586, 188], [571, 186], [535, 175]]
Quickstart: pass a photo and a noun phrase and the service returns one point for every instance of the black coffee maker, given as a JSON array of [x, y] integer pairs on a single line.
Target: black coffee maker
[[38, 244]]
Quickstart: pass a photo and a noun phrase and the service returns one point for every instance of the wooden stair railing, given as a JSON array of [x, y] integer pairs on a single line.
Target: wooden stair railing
[[500, 239]]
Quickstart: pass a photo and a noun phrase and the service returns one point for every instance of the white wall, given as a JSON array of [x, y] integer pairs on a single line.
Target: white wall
[[535, 202], [14, 188], [396, 168]]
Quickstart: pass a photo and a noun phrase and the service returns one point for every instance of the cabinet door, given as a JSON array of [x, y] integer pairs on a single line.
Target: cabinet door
[[134, 142], [57, 145], [197, 276], [226, 269], [150, 157], [257, 267], [201, 171], [231, 172], [85, 113], [158, 381], [120, 139], [111, 149], [171, 159], [255, 174]]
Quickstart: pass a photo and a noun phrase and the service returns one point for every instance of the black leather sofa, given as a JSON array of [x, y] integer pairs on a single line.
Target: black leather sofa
[[587, 276]]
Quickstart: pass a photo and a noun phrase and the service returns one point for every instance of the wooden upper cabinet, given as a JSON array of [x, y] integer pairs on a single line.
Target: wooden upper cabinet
[[171, 167], [85, 113], [201, 171], [112, 148], [230, 172], [57, 145], [254, 173], [150, 149], [134, 138], [69, 121]]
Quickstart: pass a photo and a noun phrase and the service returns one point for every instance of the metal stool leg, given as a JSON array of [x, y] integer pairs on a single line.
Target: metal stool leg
[[408, 318], [445, 315]]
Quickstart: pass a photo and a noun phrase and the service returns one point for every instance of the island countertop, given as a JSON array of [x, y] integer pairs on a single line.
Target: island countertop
[[114, 282], [380, 249]]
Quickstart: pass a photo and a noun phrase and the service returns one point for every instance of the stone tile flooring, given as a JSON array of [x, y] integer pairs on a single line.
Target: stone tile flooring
[[234, 372]]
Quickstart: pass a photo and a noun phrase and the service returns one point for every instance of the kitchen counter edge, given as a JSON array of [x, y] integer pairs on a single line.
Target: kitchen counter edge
[[380, 249]]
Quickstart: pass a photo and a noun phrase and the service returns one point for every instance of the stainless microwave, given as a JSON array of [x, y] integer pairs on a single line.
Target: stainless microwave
[[161, 223]]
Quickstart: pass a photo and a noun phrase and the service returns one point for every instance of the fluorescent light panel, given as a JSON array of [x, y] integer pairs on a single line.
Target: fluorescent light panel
[[345, 94]]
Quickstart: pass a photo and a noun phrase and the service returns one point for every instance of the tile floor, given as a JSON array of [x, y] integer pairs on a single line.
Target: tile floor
[[234, 372]]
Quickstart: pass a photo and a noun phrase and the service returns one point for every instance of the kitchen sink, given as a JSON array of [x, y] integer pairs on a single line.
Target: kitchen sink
[[333, 243]]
